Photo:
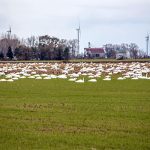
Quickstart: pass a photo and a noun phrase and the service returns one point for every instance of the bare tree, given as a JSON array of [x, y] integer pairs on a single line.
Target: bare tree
[[72, 45], [133, 50], [32, 41], [6, 42]]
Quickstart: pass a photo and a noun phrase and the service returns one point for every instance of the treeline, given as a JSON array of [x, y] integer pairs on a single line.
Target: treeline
[[129, 50], [36, 48]]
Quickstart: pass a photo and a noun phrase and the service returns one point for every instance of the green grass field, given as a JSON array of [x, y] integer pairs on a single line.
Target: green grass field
[[61, 115]]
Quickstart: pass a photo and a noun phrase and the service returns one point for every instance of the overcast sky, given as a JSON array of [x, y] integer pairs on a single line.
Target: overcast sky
[[101, 21]]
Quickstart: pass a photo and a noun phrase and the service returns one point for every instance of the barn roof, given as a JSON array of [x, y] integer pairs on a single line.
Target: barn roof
[[95, 50]]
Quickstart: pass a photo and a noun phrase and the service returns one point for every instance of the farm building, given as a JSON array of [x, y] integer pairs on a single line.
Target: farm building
[[123, 53], [94, 52]]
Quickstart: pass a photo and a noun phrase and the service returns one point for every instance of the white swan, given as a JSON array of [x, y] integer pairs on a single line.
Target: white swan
[[15, 78], [107, 79], [121, 78], [3, 80], [10, 80], [22, 77], [38, 78], [44, 75], [80, 81], [72, 79], [8, 76], [53, 76], [47, 78], [63, 76], [92, 80]]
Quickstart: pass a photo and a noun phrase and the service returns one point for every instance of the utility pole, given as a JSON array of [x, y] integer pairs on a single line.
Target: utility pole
[[78, 40], [147, 44]]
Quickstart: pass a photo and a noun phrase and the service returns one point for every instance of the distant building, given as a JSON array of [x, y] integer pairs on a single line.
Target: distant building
[[117, 51], [94, 52], [123, 53]]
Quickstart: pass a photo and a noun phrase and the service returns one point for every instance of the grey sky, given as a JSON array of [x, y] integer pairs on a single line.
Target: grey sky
[[102, 21]]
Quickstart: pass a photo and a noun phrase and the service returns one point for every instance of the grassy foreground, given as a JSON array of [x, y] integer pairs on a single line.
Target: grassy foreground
[[62, 115]]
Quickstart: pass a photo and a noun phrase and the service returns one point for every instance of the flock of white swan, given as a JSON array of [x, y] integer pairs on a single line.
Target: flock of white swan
[[74, 72]]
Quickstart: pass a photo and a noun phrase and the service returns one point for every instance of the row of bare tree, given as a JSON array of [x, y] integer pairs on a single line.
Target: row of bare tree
[[37, 48]]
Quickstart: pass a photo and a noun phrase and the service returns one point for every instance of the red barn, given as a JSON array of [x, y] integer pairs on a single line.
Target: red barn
[[94, 52]]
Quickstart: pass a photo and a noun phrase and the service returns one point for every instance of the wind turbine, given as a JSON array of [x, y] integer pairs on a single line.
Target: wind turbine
[[78, 39], [9, 32]]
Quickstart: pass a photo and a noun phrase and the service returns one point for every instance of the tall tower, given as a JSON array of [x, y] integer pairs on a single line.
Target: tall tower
[[147, 43], [78, 40]]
